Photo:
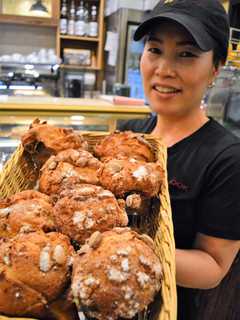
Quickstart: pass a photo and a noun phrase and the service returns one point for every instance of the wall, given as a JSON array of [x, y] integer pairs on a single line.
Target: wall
[[149, 4], [25, 39], [113, 5]]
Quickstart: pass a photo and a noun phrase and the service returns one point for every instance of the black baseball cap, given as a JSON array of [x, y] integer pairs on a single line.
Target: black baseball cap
[[206, 20]]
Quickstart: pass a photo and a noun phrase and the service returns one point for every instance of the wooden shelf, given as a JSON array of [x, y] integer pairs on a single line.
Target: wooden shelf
[[95, 44], [35, 21], [78, 67], [77, 38]]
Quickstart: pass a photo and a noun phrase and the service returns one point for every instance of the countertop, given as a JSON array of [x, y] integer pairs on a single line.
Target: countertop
[[52, 104]]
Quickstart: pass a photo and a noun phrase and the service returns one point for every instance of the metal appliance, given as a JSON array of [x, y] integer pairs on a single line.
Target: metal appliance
[[24, 79], [74, 85], [124, 21]]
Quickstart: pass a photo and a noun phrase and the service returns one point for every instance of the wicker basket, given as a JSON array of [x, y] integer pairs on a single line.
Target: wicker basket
[[18, 174]]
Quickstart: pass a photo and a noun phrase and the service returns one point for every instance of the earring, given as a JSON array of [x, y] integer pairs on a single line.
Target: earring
[[211, 85]]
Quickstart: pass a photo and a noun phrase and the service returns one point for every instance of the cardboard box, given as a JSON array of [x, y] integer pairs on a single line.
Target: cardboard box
[[82, 57]]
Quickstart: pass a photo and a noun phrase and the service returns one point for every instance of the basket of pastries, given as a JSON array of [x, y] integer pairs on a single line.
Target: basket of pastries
[[85, 228]]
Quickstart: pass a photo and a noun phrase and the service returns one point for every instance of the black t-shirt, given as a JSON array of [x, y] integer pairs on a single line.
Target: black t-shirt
[[204, 186]]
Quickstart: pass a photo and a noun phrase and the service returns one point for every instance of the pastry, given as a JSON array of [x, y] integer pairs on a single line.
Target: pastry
[[130, 176], [81, 211], [43, 140], [115, 274], [60, 169], [34, 271], [26, 211], [125, 145]]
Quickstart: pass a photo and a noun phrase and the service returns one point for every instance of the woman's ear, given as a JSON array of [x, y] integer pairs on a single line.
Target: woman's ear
[[213, 75], [215, 71], [217, 67]]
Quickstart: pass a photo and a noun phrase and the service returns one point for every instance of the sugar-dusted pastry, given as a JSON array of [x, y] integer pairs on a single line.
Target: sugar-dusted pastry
[[43, 140], [136, 204], [125, 145], [26, 211], [85, 209], [35, 270], [129, 176], [116, 274], [59, 169]]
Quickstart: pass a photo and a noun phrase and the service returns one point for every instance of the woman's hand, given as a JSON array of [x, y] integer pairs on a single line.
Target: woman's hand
[[206, 265]]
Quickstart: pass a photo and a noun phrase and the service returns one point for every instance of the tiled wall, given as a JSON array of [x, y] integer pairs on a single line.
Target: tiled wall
[[25, 39]]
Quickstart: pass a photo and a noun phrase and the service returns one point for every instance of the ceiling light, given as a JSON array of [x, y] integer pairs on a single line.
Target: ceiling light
[[38, 6]]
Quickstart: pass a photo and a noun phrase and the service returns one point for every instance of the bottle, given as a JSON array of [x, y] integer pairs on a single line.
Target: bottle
[[86, 19], [63, 18], [71, 19], [80, 21], [93, 24]]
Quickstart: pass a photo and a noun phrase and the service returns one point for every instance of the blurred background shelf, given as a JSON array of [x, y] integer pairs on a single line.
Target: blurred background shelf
[[78, 38]]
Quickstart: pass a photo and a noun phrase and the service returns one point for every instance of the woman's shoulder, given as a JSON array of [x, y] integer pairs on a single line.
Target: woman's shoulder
[[138, 125], [222, 140], [220, 150]]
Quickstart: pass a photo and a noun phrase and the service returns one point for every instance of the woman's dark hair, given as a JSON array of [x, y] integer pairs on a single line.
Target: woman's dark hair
[[218, 59]]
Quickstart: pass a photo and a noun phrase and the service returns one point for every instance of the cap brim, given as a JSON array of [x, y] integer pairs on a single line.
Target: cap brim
[[192, 25]]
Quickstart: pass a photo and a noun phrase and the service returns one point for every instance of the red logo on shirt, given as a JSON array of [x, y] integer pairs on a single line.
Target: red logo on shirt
[[178, 185]]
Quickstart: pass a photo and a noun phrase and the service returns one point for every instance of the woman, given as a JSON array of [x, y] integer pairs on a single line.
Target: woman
[[185, 45]]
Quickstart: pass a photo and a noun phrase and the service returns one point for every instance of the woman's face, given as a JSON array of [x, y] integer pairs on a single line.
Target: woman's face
[[175, 71]]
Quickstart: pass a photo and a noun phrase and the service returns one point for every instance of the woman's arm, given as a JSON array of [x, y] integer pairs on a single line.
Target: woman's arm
[[206, 265]]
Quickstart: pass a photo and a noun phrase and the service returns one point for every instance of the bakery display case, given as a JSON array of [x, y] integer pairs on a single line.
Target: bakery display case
[[16, 114]]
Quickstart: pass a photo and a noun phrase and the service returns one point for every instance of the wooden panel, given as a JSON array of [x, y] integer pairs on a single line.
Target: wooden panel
[[100, 56], [56, 10], [77, 67], [7, 18], [33, 20], [68, 37]]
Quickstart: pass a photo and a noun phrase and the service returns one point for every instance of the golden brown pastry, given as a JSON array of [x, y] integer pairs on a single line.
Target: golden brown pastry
[[26, 211], [60, 169], [86, 209], [115, 274], [125, 145], [136, 204], [130, 176], [43, 140], [34, 271]]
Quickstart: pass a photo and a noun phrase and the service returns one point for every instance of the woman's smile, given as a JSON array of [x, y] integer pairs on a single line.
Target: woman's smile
[[166, 92]]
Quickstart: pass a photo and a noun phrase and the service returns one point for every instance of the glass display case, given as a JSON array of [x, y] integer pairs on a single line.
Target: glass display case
[[80, 114], [223, 100]]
